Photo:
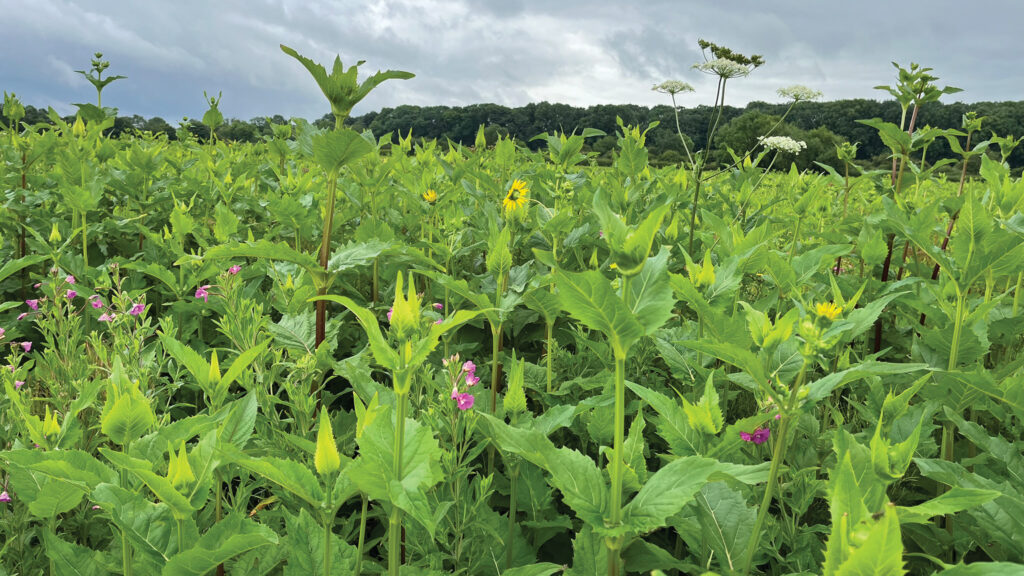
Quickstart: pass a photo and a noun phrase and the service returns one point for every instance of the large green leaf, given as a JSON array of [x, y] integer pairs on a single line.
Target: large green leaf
[[335, 149], [589, 298], [288, 474], [12, 266], [651, 293], [574, 475], [726, 521], [150, 528], [983, 569], [373, 472], [305, 544], [71, 559], [955, 500], [382, 352], [228, 538], [666, 492]]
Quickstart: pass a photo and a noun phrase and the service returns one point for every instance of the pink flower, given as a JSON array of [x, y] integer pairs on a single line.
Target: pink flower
[[471, 379], [137, 309], [97, 508], [96, 302], [26, 346], [202, 293], [438, 306], [18, 384], [2, 332], [758, 436], [70, 294], [455, 392], [234, 269], [5, 497], [22, 315], [107, 317], [464, 401], [390, 312], [469, 366], [439, 320], [33, 304], [70, 279], [37, 285]]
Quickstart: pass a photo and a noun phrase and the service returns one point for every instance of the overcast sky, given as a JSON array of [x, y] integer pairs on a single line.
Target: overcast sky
[[510, 52]]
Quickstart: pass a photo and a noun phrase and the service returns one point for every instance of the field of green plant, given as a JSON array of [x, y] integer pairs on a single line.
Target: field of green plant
[[331, 353]]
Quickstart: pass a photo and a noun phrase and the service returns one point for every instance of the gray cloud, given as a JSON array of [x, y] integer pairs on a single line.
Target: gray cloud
[[505, 51]]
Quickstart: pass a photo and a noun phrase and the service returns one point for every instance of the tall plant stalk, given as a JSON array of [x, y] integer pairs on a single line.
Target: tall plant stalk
[[778, 455]]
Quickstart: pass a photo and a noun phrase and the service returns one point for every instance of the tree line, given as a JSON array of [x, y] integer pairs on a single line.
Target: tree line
[[821, 125]]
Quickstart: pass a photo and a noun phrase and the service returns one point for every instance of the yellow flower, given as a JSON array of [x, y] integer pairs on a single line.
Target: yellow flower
[[828, 310], [430, 196], [516, 197]]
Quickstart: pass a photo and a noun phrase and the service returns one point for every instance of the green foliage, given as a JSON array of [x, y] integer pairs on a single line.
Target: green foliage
[[704, 368]]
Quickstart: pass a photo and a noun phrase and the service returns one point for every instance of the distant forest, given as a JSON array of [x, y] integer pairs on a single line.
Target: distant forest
[[820, 124]]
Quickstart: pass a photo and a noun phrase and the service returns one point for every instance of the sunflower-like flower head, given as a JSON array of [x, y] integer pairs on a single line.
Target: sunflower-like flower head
[[430, 196], [516, 197], [828, 310]]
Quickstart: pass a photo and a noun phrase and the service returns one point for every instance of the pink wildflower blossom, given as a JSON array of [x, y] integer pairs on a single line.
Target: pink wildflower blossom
[[137, 309], [202, 292], [758, 436], [464, 401], [18, 384], [234, 269], [5, 497], [26, 346], [70, 294], [70, 279], [33, 304]]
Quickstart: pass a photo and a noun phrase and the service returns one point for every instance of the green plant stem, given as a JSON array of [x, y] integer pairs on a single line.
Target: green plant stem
[[1016, 294], [85, 243], [181, 534], [679, 130], [495, 351], [376, 281], [126, 551], [362, 536], [617, 471], [796, 233], [550, 349], [52, 525], [328, 520], [325, 251], [778, 455], [512, 504], [395, 522]]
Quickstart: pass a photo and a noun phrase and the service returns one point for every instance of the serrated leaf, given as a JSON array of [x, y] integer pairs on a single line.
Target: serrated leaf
[[228, 538], [588, 297]]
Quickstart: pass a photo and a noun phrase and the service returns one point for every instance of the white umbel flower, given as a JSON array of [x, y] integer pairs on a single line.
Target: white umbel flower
[[798, 93], [782, 144], [723, 67], [672, 87]]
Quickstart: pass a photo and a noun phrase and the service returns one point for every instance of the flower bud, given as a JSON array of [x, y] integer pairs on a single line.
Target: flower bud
[[327, 460], [405, 316], [78, 128]]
